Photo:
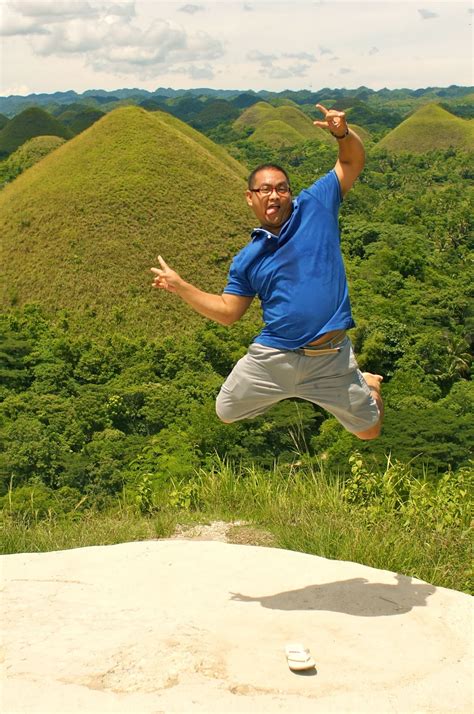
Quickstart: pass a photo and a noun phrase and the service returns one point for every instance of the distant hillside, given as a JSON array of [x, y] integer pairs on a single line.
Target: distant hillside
[[279, 126], [276, 133], [81, 228], [244, 100], [3, 121], [31, 122], [105, 100], [78, 117], [27, 155], [431, 127], [214, 112]]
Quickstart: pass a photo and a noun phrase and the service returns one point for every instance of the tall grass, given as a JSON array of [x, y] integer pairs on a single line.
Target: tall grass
[[391, 521], [119, 525], [309, 512]]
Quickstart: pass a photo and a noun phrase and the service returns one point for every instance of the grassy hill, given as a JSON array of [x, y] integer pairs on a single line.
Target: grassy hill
[[276, 133], [31, 122], [78, 117], [431, 127], [3, 121], [81, 229], [279, 126], [28, 154]]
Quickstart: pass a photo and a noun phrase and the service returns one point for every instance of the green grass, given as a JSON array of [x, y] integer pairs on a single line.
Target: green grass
[[29, 123], [276, 133], [81, 229], [430, 127], [116, 526], [279, 126], [303, 508], [28, 154]]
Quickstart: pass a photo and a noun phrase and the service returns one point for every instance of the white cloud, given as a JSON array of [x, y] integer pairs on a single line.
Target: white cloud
[[48, 11], [265, 60], [112, 42], [59, 10], [199, 71], [295, 70], [17, 26], [277, 66], [427, 14], [306, 56], [243, 44], [39, 18], [345, 70], [191, 9]]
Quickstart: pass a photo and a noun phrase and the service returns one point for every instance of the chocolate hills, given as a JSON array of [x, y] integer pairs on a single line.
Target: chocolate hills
[[78, 117], [28, 154], [82, 227], [31, 122], [430, 127], [279, 126]]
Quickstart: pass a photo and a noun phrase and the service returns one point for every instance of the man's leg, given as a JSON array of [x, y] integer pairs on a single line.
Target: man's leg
[[374, 384], [334, 382], [260, 379]]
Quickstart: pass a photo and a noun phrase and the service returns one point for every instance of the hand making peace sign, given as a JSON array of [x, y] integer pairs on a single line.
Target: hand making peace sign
[[334, 120]]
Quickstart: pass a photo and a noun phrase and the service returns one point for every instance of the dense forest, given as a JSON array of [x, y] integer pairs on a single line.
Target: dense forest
[[81, 417]]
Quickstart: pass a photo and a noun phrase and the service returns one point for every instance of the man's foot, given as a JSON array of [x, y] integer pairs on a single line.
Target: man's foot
[[373, 381]]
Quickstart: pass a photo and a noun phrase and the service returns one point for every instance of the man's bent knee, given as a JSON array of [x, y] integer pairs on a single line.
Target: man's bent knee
[[223, 413], [371, 433]]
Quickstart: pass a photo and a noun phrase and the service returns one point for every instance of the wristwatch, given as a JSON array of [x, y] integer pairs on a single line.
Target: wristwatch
[[340, 137]]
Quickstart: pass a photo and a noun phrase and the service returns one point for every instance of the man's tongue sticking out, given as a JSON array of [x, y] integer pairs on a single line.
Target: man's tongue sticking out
[[272, 211]]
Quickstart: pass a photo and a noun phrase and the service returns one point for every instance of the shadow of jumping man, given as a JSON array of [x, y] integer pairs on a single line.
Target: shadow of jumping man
[[357, 596]]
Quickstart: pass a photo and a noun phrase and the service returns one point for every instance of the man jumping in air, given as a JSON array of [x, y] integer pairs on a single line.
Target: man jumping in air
[[294, 264]]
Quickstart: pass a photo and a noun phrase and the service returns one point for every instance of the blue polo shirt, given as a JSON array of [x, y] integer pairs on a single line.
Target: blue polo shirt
[[299, 275]]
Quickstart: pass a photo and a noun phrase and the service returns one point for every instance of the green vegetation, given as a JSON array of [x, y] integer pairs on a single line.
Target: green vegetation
[[388, 520], [3, 121], [28, 154], [107, 422], [31, 122], [81, 229], [276, 133], [78, 117], [430, 127], [279, 126]]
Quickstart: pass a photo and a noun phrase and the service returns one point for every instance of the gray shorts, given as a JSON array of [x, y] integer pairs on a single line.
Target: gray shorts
[[267, 375]]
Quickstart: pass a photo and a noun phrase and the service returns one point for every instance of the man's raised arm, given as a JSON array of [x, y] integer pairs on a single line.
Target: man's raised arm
[[351, 159], [225, 308]]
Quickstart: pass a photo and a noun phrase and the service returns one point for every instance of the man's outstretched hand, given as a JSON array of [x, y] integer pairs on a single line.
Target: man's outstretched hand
[[333, 120], [165, 278]]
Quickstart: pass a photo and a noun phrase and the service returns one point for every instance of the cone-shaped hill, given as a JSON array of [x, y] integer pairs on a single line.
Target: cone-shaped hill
[[279, 126], [31, 122], [81, 228], [430, 127], [28, 154]]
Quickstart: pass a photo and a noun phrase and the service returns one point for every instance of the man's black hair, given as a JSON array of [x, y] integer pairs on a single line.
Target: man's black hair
[[266, 166]]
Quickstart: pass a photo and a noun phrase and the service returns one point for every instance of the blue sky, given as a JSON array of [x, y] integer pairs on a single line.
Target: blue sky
[[55, 45]]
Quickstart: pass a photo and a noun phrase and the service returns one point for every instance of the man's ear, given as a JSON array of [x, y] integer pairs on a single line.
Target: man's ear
[[248, 196]]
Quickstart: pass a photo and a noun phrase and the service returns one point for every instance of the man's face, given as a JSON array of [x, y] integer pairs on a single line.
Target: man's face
[[274, 209]]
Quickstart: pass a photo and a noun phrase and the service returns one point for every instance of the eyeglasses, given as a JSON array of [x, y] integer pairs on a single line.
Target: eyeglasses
[[266, 190]]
